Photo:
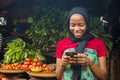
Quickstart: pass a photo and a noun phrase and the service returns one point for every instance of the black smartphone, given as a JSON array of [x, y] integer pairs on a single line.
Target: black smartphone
[[71, 54]]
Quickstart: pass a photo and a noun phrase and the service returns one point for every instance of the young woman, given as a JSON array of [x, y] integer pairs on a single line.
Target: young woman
[[90, 61]]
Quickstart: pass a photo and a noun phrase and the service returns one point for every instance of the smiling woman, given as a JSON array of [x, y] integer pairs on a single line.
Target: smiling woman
[[77, 25], [91, 56]]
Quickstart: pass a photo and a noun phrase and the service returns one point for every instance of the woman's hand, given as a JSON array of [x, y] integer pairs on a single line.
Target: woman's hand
[[83, 60], [68, 60], [65, 60]]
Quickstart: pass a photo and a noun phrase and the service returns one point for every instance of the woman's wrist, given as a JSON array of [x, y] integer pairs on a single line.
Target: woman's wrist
[[62, 65], [91, 63]]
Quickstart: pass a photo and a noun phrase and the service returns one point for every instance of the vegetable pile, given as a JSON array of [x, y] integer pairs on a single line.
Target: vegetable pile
[[17, 51]]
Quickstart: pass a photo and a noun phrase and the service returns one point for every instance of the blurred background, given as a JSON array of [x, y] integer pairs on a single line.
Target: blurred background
[[21, 18]]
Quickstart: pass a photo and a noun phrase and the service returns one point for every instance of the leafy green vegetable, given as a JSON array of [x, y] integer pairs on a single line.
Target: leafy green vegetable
[[17, 51]]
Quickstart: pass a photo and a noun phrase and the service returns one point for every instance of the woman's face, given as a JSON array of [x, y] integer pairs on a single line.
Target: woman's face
[[77, 25]]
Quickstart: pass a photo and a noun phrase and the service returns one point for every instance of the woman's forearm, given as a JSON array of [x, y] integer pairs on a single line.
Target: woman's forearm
[[59, 71], [101, 74]]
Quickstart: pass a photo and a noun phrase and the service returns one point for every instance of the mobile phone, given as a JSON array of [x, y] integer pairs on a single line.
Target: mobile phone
[[71, 54]]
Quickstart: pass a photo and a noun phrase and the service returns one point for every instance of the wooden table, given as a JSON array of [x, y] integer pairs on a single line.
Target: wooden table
[[14, 74], [42, 75]]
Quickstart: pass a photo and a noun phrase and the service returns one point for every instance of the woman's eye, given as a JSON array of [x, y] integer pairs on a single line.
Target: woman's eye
[[81, 24], [72, 25]]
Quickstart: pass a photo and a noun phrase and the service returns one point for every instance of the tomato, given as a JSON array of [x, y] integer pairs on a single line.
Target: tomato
[[39, 64], [36, 60], [44, 65], [12, 65], [13, 68], [34, 64], [19, 66], [16, 68], [25, 67], [7, 67], [27, 63], [3, 78], [30, 66], [28, 60], [46, 68]]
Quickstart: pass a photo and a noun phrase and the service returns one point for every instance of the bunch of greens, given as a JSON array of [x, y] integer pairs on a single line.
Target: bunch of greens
[[17, 51]]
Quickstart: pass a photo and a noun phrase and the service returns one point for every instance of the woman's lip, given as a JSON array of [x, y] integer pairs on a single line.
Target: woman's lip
[[77, 33]]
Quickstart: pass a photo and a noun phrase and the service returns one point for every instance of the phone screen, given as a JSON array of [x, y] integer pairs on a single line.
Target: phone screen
[[71, 54]]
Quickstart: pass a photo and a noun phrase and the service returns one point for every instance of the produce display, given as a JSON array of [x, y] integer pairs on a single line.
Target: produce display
[[18, 50], [36, 66], [29, 65], [14, 66], [19, 57]]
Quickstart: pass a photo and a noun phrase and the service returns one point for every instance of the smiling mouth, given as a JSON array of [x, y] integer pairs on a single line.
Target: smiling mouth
[[78, 33]]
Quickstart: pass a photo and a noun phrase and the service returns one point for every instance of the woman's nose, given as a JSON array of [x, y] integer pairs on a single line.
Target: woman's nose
[[77, 27]]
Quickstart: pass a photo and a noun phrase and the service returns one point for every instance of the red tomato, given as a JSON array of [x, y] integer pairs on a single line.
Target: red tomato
[[25, 67], [38, 64], [44, 65], [30, 66], [48, 70], [16, 68], [28, 60], [27, 63], [3, 78], [19, 66], [36, 60], [34, 64], [13, 68]]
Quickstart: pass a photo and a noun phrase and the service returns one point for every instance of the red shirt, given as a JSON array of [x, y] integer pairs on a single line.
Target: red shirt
[[95, 44]]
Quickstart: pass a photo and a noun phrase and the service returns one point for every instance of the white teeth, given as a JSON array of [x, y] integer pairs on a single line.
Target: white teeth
[[78, 33]]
